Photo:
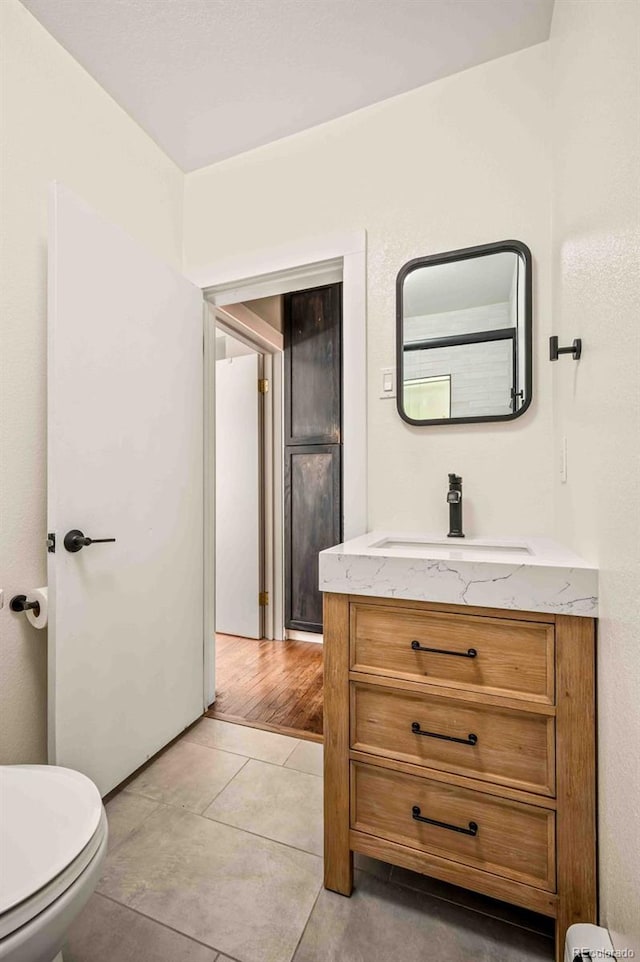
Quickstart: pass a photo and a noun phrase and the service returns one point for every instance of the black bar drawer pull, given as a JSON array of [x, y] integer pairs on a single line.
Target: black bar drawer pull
[[469, 740], [472, 830], [470, 653]]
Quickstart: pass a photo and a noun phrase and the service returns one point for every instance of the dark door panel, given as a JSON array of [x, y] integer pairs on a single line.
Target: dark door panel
[[313, 435], [312, 338], [313, 521]]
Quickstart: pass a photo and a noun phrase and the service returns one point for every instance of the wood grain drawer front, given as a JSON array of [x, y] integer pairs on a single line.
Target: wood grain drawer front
[[500, 656], [495, 744], [513, 840]]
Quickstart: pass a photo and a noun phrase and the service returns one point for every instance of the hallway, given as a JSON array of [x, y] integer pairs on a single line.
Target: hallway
[[276, 685]]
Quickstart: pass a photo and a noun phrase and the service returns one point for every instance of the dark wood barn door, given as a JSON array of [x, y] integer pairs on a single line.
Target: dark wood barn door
[[313, 445]]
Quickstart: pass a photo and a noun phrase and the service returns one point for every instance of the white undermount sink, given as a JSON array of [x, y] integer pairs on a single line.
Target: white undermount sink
[[477, 548]]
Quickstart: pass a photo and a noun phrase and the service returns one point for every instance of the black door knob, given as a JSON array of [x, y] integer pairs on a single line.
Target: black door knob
[[75, 540]]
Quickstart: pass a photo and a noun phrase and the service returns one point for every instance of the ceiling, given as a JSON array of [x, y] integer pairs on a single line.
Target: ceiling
[[208, 79]]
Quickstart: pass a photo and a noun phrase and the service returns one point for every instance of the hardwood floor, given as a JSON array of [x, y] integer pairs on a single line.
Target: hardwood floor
[[276, 685]]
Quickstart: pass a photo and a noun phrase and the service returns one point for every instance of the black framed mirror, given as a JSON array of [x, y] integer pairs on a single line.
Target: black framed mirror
[[464, 335]]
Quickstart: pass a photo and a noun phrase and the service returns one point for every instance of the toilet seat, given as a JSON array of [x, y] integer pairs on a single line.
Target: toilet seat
[[25, 911], [52, 825]]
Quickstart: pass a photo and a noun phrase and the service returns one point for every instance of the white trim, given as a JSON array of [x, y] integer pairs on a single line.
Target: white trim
[[277, 497], [312, 636], [268, 523], [294, 267], [279, 282], [209, 574]]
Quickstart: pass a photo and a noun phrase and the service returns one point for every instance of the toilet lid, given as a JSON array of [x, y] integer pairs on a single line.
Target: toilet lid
[[47, 816]]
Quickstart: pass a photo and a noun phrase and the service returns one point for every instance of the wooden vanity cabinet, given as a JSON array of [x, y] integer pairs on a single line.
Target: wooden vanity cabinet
[[460, 743]]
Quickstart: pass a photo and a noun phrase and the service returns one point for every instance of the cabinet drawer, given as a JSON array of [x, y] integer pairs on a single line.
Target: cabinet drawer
[[500, 745], [513, 840], [500, 656]]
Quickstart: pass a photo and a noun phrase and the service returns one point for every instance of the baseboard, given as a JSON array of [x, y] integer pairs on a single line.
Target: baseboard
[[292, 634]]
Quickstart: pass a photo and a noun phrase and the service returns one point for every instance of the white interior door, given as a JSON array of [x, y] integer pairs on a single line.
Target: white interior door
[[238, 547], [125, 462]]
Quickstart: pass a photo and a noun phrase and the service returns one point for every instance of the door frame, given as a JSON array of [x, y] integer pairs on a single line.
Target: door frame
[[302, 264]]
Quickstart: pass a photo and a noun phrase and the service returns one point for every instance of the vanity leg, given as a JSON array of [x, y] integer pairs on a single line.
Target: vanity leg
[[338, 857], [576, 854]]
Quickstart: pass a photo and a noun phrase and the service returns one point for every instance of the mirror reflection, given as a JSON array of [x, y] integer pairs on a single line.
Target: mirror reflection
[[464, 335]]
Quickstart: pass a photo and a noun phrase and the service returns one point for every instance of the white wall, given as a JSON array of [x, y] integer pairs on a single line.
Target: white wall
[[596, 58], [463, 161], [57, 123], [228, 346]]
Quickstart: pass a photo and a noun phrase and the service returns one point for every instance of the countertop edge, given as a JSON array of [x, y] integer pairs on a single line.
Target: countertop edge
[[546, 588]]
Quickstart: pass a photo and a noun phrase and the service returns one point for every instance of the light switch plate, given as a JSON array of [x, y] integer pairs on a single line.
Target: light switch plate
[[563, 461], [387, 382]]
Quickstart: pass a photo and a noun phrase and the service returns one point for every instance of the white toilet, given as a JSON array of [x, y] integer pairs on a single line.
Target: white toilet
[[53, 839]]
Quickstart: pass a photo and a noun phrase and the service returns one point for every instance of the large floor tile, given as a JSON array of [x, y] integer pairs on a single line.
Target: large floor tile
[[382, 921], [107, 932], [249, 897], [187, 775], [279, 803], [251, 742], [306, 757], [472, 900], [125, 813]]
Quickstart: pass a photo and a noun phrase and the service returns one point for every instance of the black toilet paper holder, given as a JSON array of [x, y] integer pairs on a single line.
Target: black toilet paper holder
[[20, 603]]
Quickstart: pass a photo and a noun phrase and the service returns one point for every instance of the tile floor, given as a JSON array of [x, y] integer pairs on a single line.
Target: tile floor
[[215, 855]]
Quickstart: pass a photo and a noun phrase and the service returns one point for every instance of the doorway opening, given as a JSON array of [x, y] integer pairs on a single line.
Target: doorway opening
[[235, 294], [266, 674]]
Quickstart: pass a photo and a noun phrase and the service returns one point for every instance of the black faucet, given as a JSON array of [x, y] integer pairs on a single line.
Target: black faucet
[[454, 500]]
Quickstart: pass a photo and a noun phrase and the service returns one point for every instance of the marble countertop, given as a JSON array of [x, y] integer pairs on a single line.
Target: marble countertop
[[527, 574]]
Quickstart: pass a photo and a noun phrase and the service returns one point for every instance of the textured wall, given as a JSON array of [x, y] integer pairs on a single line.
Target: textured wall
[[462, 161], [57, 123], [596, 61]]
